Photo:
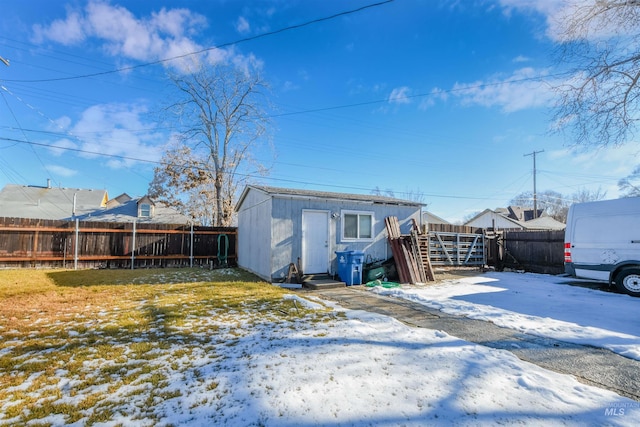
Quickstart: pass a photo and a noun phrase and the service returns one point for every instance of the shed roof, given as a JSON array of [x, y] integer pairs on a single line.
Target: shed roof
[[289, 192]]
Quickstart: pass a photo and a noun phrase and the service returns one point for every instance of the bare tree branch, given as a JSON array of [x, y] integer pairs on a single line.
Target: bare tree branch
[[222, 109], [601, 46]]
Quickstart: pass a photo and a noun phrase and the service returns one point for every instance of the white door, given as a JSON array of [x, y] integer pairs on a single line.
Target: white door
[[315, 242]]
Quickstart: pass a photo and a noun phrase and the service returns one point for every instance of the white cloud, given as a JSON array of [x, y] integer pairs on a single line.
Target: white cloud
[[62, 146], [242, 25], [552, 10], [524, 89], [435, 95], [177, 22], [115, 130], [557, 13], [67, 31], [289, 86], [521, 58], [612, 161], [400, 95], [61, 170], [606, 166], [164, 34]]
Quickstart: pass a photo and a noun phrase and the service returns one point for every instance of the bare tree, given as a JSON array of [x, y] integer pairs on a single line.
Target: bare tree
[[220, 110], [184, 183], [555, 204], [551, 202], [601, 46], [412, 195], [585, 195], [630, 185]]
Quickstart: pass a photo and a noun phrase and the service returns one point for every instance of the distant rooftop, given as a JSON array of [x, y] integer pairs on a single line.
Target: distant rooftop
[[26, 201], [126, 209]]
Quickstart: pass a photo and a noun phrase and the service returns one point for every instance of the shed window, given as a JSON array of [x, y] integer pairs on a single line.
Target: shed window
[[357, 225]]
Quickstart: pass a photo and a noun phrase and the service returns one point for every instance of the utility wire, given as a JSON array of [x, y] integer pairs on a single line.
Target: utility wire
[[208, 49], [420, 95], [201, 166]]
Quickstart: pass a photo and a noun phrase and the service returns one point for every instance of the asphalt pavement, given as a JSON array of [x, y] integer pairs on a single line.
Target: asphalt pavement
[[590, 365]]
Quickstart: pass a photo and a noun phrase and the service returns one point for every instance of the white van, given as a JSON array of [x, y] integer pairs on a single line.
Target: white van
[[602, 242]]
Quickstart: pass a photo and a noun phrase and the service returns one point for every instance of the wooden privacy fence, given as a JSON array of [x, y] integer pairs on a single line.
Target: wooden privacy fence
[[84, 244], [535, 251], [538, 251]]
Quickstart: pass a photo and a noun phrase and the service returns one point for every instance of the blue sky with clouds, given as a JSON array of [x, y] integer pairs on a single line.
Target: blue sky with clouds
[[441, 98]]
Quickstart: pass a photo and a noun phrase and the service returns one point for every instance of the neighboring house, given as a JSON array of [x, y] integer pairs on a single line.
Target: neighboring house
[[141, 210], [430, 218], [35, 202], [505, 219], [520, 213], [30, 201], [493, 219], [276, 226]]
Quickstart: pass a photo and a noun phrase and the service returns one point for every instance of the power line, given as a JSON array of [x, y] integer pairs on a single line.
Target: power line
[[208, 49], [421, 95], [202, 167]]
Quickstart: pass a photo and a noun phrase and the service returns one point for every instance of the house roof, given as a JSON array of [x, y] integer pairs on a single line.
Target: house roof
[[289, 192], [25, 201], [520, 213], [433, 219], [544, 223], [124, 197], [541, 223], [125, 209], [500, 212]]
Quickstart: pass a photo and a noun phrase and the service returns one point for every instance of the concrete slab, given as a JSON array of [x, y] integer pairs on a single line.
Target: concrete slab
[[318, 284]]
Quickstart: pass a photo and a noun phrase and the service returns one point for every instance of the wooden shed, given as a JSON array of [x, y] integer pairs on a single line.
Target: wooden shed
[[278, 226]]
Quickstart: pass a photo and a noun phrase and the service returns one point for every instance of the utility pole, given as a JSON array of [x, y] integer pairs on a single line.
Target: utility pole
[[535, 193]]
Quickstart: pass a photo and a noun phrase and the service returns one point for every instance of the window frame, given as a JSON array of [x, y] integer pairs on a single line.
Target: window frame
[[141, 210], [358, 214]]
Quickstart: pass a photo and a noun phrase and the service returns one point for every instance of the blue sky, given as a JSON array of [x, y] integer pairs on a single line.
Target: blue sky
[[439, 98]]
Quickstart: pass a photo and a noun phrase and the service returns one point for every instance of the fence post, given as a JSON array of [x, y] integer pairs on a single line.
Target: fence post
[[133, 245], [191, 248], [75, 246]]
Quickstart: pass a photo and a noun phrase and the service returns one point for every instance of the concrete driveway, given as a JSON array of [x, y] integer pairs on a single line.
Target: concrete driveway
[[594, 366]]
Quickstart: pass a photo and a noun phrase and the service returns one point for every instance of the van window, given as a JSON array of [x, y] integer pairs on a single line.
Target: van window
[[605, 229]]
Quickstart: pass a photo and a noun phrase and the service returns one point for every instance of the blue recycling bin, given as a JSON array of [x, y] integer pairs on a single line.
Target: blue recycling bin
[[356, 260], [350, 266], [342, 258]]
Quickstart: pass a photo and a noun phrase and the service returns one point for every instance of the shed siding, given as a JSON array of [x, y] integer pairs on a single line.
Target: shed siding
[[287, 229], [254, 234]]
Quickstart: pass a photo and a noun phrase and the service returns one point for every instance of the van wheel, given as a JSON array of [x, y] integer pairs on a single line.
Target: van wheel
[[628, 281]]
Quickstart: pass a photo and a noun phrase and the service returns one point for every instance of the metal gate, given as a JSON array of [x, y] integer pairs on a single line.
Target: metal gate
[[456, 249]]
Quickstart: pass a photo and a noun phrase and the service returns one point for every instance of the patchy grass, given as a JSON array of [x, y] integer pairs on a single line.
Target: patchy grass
[[107, 346]]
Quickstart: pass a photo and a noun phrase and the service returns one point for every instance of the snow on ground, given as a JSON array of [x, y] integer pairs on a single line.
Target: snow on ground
[[354, 368], [538, 304], [373, 370]]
